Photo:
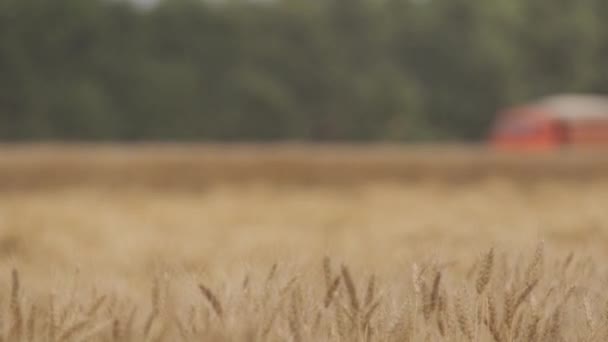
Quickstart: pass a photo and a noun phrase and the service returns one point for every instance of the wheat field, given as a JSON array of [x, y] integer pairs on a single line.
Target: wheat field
[[111, 250]]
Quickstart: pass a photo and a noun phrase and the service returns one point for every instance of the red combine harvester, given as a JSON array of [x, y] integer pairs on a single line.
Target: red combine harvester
[[552, 123]]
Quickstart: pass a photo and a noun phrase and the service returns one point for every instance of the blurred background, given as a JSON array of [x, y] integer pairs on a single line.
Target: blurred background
[[215, 133], [300, 70]]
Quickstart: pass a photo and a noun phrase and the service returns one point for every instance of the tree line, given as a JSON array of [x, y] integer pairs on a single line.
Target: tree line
[[312, 70]]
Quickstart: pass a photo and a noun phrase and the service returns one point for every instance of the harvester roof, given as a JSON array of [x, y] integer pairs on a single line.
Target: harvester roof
[[573, 107]]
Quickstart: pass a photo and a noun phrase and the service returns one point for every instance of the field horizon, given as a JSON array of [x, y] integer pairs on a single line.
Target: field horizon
[[184, 166]]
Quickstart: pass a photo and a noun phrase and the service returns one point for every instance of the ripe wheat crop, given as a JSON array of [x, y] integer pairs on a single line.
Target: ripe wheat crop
[[494, 259], [533, 299]]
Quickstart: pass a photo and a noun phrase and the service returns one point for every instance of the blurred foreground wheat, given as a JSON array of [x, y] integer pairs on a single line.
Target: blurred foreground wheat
[[500, 298]]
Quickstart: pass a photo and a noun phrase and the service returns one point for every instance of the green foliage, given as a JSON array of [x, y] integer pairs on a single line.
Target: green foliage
[[287, 69]]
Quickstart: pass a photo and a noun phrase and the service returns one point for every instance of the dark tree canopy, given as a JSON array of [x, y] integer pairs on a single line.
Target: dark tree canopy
[[292, 69]]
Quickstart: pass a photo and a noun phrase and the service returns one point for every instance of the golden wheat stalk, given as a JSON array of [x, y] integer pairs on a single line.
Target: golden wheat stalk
[[371, 290], [213, 300], [16, 330], [485, 272], [331, 291], [327, 273], [351, 289]]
